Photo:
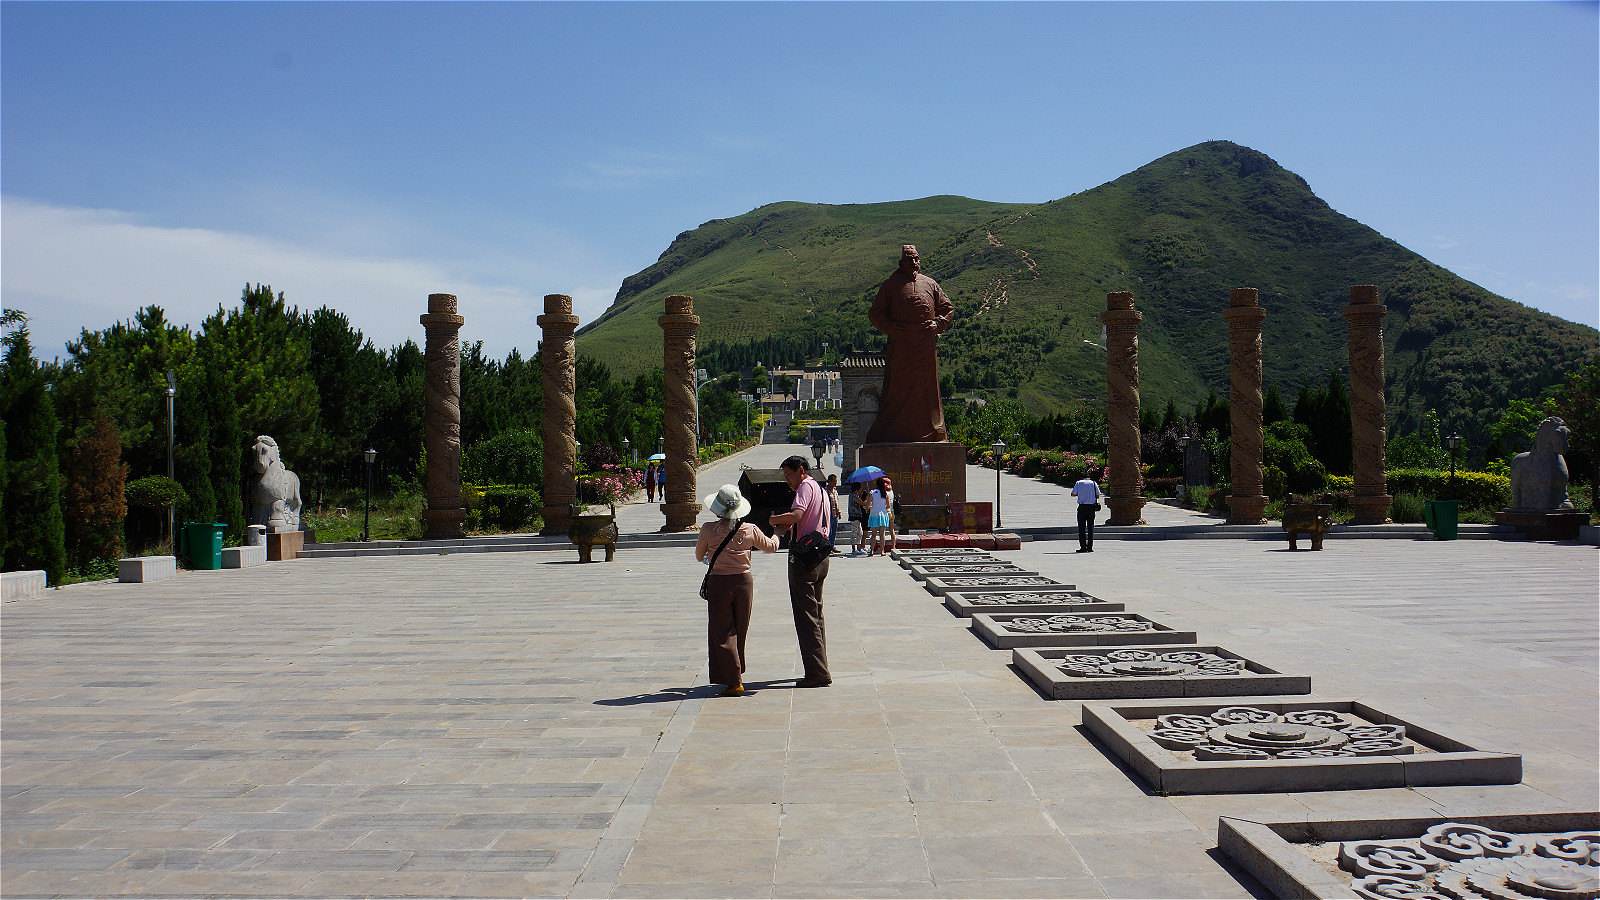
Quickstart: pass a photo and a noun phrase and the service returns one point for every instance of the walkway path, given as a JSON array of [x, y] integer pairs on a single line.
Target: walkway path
[[512, 724]]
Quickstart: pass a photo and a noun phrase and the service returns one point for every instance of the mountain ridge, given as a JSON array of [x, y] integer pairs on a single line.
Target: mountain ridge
[[1029, 280]]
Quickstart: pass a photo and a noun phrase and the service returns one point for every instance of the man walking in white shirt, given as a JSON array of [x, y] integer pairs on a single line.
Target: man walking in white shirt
[[1088, 494]]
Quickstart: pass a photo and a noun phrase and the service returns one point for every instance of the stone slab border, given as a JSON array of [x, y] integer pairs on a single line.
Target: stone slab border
[[244, 557], [962, 605], [944, 585], [923, 573], [1266, 849], [28, 584], [1450, 762], [994, 629], [140, 569], [1037, 663]]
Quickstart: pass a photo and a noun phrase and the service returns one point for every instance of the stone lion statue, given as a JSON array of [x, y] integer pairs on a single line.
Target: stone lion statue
[[1539, 477], [275, 499]]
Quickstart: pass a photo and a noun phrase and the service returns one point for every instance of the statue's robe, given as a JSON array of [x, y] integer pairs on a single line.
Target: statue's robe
[[910, 409]]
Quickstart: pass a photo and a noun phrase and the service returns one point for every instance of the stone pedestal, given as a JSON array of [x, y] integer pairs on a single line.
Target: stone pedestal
[[285, 545], [557, 363], [1246, 502], [24, 585], [1126, 497], [924, 473], [244, 557], [1544, 525], [441, 420], [140, 569], [678, 328], [1368, 426]]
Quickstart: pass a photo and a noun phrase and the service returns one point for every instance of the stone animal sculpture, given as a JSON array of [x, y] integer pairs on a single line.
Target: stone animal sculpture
[[1310, 519], [1539, 477], [589, 532], [275, 499]]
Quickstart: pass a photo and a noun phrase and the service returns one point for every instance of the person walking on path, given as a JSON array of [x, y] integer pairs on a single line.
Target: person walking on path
[[808, 515], [650, 483], [877, 519], [860, 504], [1088, 494], [832, 490], [894, 513], [725, 545]]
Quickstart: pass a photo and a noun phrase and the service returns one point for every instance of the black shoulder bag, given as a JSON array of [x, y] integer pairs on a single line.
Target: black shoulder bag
[[705, 583]]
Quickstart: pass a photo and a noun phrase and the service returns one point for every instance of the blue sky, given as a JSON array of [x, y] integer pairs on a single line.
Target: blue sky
[[365, 155]]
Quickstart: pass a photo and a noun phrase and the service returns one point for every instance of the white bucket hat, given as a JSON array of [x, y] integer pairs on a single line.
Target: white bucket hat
[[727, 503]]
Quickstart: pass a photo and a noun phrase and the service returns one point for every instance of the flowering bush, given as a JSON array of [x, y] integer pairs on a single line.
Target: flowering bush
[[614, 483]]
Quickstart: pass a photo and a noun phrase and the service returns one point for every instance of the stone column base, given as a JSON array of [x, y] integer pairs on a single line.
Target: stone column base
[[557, 519], [1371, 510], [680, 515], [1246, 510], [444, 523], [1125, 510]]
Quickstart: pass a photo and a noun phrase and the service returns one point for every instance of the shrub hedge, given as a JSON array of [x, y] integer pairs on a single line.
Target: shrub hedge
[[502, 507], [1475, 490]]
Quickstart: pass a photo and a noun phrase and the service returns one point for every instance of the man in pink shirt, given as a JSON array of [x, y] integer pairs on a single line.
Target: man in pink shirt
[[808, 514]]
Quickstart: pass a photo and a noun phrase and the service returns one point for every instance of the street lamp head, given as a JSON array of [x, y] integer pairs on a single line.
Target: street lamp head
[[626, 443], [1183, 440], [172, 384], [998, 446], [1453, 441], [372, 456]]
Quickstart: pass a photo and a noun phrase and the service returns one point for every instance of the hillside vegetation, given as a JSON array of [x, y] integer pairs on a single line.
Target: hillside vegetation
[[1029, 281]]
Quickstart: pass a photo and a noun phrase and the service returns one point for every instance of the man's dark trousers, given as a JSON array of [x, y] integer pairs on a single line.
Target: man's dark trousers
[[1086, 526], [805, 598]]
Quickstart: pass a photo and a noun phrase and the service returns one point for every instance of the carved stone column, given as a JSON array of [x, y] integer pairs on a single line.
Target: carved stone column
[[1125, 499], [1368, 425], [557, 357], [678, 328], [1245, 315], [441, 419]]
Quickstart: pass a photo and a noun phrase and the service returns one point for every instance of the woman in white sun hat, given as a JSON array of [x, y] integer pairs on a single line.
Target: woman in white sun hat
[[729, 589]]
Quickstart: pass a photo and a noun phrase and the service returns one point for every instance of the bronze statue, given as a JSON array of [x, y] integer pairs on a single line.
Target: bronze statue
[[913, 311]]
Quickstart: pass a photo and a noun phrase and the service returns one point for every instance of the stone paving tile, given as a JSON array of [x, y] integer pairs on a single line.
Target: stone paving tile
[[557, 720], [852, 860]]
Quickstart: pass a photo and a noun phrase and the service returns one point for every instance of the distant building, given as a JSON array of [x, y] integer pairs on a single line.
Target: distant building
[[814, 389]]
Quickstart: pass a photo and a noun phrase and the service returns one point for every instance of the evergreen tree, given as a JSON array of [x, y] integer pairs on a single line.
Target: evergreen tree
[[95, 505], [34, 529], [1272, 408]]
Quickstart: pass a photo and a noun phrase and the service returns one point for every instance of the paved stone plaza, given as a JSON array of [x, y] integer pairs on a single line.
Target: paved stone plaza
[[508, 724]]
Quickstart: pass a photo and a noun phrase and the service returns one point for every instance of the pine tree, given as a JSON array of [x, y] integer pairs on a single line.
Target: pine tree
[[34, 530]]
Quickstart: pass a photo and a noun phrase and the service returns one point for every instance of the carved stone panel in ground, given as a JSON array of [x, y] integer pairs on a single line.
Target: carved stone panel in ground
[[1512, 856], [1096, 673], [1273, 744]]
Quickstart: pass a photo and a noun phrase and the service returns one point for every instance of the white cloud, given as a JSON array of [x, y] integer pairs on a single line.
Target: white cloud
[[71, 268]]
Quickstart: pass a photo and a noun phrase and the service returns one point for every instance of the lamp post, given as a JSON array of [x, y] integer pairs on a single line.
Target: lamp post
[[1453, 442], [817, 449], [366, 505], [701, 379], [998, 447], [172, 392], [1183, 464], [627, 450]]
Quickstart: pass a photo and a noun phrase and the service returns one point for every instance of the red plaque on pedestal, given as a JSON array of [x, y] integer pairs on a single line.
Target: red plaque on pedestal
[[923, 473]]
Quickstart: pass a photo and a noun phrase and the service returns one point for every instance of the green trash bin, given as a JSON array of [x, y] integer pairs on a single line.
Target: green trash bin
[[1442, 516], [200, 544]]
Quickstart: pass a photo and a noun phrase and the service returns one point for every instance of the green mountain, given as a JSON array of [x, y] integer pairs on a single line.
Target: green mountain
[[1029, 281]]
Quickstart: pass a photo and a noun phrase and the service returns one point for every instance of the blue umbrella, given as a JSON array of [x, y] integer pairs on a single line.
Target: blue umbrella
[[656, 457], [865, 473]]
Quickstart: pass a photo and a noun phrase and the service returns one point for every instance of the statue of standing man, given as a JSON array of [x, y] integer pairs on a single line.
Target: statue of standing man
[[913, 311]]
